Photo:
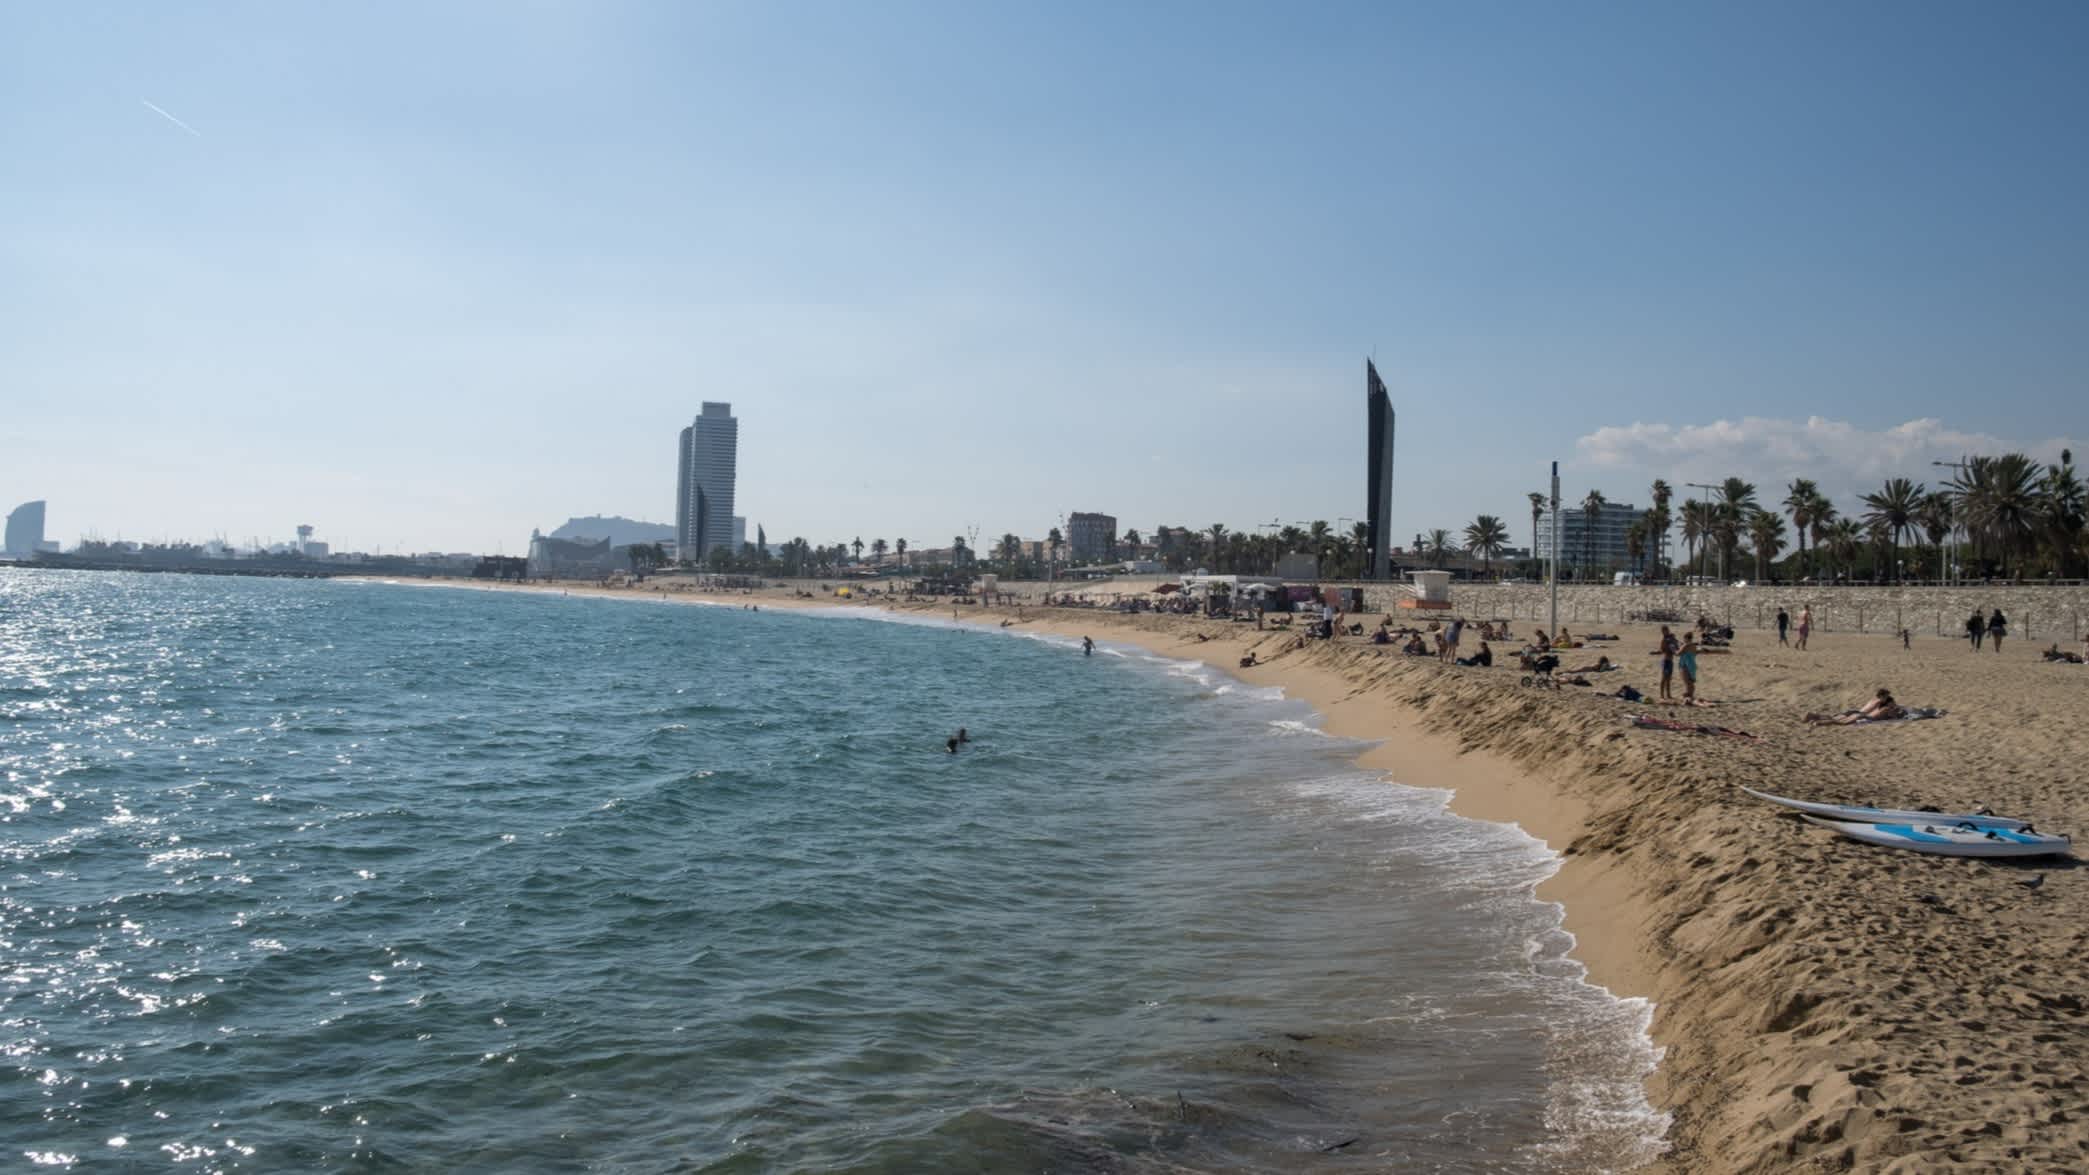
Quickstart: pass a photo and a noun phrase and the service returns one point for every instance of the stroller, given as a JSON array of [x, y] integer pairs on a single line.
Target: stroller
[[1540, 667]]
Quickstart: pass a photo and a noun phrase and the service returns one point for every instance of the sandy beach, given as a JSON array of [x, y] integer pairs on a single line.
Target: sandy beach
[[1822, 1004]]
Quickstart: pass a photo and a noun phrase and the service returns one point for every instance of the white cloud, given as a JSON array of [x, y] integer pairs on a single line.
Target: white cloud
[[1844, 458]]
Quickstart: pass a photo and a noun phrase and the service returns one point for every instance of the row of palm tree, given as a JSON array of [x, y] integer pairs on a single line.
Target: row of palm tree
[[2005, 515]]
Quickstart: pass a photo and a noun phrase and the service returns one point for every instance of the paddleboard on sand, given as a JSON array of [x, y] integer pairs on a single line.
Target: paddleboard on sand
[[1951, 840], [1863, 815]]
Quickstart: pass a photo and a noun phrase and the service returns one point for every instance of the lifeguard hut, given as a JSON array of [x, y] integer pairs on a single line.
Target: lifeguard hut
[[1431, 590]]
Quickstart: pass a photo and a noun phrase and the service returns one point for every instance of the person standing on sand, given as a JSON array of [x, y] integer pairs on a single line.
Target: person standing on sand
[[1688, 659], [1805, 626], [1975, 629], [1997, 628], [1449, 654], [1668, 663]]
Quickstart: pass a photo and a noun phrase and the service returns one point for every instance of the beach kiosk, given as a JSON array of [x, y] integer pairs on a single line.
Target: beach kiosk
[[1431, 590]]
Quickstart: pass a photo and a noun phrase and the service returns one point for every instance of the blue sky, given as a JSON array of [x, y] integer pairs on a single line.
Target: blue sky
[[431, 275]]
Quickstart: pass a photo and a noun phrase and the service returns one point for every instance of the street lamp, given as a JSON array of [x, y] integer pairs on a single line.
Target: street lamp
[[1711, 489], [1958, 570]]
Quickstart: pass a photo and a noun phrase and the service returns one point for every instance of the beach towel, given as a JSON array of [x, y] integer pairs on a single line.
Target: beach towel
[[1649, 722], [1911, 714]]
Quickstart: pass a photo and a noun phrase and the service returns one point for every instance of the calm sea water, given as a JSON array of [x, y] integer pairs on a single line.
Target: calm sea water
[[322, 875]]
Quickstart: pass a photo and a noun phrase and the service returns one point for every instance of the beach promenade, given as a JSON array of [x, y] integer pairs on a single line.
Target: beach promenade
[[1822, 1004]]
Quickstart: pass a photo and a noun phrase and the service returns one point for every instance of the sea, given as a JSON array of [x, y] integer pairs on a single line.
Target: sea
[[372, 876]]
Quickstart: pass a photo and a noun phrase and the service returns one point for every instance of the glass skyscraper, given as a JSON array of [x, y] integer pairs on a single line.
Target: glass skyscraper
[[704, 489]]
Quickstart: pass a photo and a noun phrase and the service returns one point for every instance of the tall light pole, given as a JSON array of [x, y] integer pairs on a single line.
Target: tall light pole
[[1710, 489], [1958, 573], [1552, 566]]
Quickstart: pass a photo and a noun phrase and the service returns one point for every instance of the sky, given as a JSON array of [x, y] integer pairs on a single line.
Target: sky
[[426, 276]]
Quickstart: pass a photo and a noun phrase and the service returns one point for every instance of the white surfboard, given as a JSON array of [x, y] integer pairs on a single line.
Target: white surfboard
[[1864, 815], [1951, 840]]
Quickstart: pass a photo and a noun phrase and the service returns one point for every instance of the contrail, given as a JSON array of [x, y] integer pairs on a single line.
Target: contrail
[[171, 118]]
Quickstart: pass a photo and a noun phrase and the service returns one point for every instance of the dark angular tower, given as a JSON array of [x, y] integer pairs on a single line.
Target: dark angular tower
[[1378, 477]]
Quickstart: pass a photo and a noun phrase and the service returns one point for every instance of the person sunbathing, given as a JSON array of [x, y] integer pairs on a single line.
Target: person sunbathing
[[1602, 665], [2054, 654], [1484, 659], [1880, 708], [1382, 636], [1414, 646]]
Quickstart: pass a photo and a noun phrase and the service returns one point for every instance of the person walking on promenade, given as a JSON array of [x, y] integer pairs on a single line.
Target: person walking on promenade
[[1975, 629], [1784, 624], [1997, 628]]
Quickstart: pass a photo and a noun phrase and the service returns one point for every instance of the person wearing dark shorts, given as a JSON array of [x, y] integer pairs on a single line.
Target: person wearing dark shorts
[[1784, 626], [1668, 663]]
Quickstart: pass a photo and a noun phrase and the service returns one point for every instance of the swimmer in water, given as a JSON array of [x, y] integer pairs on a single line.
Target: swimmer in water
[[950, 744], [962, 736], [1087, 647]]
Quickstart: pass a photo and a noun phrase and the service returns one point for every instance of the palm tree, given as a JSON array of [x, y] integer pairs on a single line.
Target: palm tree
[[1820, 515], [899, 546], [959, 552], [1591, 509], [1998, 499], [1218, 543], [1485, 537], [1131, 537], [1438, 545], [1053, 541], [1843, 539], [1894, 508], [1736, 499], [1537, 511], [2063, 522], [1798, 502], [1937, 521], [878, 547], [1662, 493], [858, 544], [1009, 550], [1636, 540], [1766, 535], [1317, 534], [1694, 515]]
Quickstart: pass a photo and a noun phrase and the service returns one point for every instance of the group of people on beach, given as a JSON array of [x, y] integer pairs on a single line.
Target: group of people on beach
[[1784, 627], [1993, 628]]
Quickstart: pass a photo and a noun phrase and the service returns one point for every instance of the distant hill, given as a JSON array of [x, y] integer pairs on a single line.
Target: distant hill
[[619, 531]]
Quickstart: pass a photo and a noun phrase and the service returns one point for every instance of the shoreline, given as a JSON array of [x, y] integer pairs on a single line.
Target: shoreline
[[1814, 1003]]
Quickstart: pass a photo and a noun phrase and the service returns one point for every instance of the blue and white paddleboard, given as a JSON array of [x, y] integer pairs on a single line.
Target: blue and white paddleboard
[[1951, 840], [1863, 815]]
